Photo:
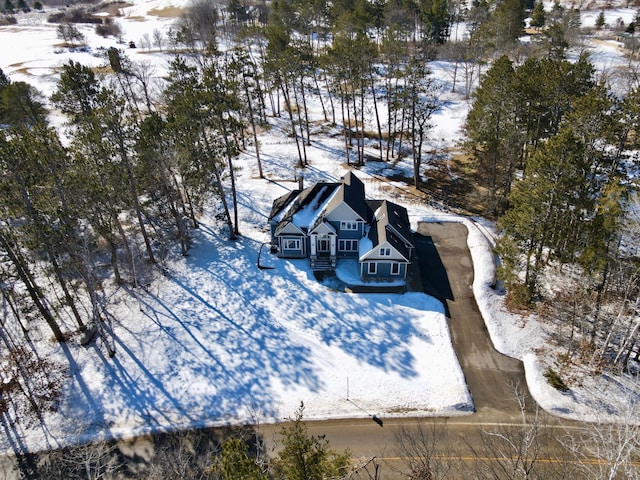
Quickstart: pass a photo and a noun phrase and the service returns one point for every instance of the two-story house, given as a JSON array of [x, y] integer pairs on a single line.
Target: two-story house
[[327, 221]]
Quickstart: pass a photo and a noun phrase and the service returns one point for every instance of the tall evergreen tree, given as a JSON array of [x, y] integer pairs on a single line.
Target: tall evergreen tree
[[20, 105], [421, 103], [543, 201], [192, 120], [305, 457], [508, 23], [600, 20], [437, 19], [538, 16], [495, 137], [544, 91]]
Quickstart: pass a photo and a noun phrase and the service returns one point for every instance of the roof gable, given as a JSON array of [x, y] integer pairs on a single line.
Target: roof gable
[[288, 228], [397, 254], [324, 228], [351, 192], [391, 226], [395, 218]]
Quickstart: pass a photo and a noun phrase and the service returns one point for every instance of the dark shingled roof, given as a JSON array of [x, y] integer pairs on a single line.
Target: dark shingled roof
[[391, 225], [352, 193], [397, 218], [391, 222], [318, 192], [281, 203]]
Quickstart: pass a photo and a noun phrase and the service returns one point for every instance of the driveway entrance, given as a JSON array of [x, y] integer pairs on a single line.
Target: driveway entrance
[[446, 270]]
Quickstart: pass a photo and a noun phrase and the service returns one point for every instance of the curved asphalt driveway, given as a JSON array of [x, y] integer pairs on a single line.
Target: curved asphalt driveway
[[446, 271]]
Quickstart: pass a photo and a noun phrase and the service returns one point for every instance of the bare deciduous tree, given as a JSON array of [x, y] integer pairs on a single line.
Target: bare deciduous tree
[[425, 452], [609, 450], [514, 451]]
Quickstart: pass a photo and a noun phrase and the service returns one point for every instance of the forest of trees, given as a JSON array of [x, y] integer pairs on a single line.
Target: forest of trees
[[120, 188]]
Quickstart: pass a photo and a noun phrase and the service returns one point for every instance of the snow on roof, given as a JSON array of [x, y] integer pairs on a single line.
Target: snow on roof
[[306, 216], [365, 244]]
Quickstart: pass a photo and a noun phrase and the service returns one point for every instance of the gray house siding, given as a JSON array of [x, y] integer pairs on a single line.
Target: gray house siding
[[383, 270]]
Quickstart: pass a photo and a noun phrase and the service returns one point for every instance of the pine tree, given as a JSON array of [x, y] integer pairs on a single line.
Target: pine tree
[[421, 103], [600, 20], [544, 91], [437, 20], [234, 462], [508, 23], [543, 201], [192, 119], [305, 457], [4, 80], [538, 16], [495, 137], [20, 105]]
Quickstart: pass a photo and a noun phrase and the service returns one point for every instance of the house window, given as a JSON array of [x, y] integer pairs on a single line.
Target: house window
[[348, 245], [372, 268], [385, 252], [291, 244], [348, 225], [395, 269]]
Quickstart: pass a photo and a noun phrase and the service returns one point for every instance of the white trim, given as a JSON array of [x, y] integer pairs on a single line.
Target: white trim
[[352, 243], [395, 266], [375, 268], [323, 242], [385, 252], [349, 225], [286, 244]]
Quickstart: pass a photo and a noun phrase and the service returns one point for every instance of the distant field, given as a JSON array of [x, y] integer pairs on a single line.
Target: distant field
[[166, 12]]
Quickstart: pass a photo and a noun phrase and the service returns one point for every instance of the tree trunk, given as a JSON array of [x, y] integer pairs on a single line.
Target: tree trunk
[[344, 128], [303, 143], [63, 284], [306, 115], [287, 101], [133, 191], [324, 110], [32, 287], [252, 121], [216, 174], [375, 108], [333, 109], [355, 124], [127, 247]]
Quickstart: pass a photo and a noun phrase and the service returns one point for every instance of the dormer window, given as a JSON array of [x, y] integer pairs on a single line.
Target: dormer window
[[348, 225], [385, 252]]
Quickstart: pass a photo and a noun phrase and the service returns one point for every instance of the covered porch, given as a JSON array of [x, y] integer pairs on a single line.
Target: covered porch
[[323, 248]]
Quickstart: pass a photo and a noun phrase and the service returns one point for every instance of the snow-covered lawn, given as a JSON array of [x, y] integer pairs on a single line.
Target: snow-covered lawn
[[220, 341]]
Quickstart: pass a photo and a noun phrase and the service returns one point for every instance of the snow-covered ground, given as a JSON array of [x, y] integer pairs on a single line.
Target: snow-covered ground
[[219, 341]]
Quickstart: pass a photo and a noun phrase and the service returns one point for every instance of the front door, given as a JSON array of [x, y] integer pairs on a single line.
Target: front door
[[323, 245]]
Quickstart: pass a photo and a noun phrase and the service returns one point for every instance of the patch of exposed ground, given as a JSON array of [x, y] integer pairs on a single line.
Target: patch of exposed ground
[[166, 12], [450, 182], [112, 9]]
